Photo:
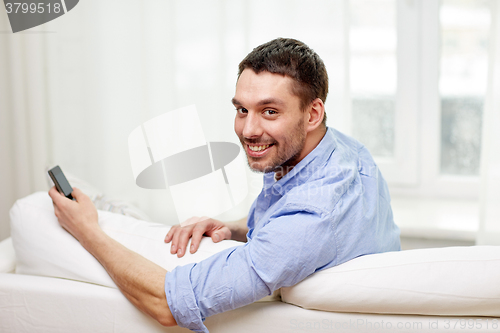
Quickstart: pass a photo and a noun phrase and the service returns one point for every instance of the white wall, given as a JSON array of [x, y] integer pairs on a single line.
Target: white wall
[[74, 88]]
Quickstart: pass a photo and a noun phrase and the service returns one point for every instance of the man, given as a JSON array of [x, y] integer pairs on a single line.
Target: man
[[323, 202]]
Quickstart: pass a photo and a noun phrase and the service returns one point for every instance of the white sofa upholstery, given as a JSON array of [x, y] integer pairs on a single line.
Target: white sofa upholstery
[[43, 304], [49, 283]]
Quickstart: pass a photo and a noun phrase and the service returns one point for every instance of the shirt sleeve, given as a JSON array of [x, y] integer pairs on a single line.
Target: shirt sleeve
[[291, 246]]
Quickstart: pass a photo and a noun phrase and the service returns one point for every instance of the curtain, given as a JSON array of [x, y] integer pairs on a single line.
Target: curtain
[[73, 89], [23, 110], [489, 226]]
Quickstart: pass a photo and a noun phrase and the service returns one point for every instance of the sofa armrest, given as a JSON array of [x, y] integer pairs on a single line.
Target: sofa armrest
[[42, 304], [7, 256]]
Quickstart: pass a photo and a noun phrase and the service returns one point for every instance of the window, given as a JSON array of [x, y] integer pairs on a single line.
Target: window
[[418, 74], [372, 42], [465, 27]]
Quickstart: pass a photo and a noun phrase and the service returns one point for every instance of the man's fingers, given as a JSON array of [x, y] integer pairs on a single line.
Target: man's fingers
[[184, 235], [77, 194], [175, 238], [81, 197], [194, 228], [170, 234], [179, 240], [60, 200], [54, 195], [196, 238], [175, 232]]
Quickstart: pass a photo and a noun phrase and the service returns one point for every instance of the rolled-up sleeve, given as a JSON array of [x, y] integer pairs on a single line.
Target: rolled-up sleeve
[[181, 299], [291, 246]]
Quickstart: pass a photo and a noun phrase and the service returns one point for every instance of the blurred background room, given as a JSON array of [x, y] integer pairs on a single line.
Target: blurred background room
[[416, 81]]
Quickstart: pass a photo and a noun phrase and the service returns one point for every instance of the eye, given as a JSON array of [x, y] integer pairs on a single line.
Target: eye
[[241, 110], [270, 112]]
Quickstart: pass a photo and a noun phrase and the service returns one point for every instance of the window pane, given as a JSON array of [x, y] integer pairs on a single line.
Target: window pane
[[461, 135], [465, 26], [373, 122], [373, 76]]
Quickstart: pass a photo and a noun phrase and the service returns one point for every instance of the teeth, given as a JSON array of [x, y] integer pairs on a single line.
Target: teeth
[[258, 148]]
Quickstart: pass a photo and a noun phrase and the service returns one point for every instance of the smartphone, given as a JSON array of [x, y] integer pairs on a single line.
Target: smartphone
[[61, 182]]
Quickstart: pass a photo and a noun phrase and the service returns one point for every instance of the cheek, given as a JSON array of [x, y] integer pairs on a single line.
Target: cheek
[[237, 124], [278, 131]]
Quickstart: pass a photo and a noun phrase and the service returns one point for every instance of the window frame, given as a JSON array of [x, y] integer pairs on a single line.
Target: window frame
[[415, 168]]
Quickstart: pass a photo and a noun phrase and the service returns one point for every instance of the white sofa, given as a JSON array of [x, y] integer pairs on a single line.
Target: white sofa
[[61, 288]]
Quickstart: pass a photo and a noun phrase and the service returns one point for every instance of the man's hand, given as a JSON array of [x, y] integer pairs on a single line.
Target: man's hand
[[195, 228], [78, 218], [139, 279]]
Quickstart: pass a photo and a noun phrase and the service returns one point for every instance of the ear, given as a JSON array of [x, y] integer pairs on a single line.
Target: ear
[[315, 114]]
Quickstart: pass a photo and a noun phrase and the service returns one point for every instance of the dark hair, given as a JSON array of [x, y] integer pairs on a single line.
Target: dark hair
[[295, 59]]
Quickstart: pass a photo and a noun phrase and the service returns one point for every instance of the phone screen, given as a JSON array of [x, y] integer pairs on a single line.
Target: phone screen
[[60, 179]]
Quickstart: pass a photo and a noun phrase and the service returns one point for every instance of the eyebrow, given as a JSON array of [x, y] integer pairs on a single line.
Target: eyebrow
[[262, 102]]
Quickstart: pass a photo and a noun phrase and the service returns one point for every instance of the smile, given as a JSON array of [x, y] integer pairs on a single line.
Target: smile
[[258, 148]]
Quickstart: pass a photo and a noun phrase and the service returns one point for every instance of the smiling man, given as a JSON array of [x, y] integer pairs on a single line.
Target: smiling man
[[271, 124], [323, 202]]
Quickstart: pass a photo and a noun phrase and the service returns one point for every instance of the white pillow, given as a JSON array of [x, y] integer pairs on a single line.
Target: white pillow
[[448, 281], [44, 248], [455, 281]]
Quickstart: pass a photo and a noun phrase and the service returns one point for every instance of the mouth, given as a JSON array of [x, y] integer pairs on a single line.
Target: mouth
[[258, 150]]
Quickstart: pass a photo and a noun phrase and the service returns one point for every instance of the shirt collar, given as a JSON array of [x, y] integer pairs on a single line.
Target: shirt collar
[[319, 155]]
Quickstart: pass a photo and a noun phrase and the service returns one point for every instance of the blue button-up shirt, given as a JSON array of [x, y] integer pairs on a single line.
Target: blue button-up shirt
[[333, 206]]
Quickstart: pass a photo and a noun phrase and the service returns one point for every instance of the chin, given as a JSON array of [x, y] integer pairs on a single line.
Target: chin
[[259, 168]]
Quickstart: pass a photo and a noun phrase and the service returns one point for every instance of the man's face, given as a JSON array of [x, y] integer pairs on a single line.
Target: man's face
[[269, 122]]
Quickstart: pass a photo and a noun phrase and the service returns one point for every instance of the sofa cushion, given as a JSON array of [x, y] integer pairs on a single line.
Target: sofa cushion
[[447, 281], [441, 281], [44, 248], [7, 256]]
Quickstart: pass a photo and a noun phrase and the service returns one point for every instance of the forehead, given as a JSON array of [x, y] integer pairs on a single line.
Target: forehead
[[252, 87]]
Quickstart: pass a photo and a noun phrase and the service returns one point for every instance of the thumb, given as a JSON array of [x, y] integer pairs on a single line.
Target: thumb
[[221, 234], [217, 237]]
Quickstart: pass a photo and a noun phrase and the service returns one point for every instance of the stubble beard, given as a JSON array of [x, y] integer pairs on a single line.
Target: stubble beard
[[287, 152]]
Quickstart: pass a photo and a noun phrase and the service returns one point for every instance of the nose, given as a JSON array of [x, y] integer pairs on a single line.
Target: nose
[[252, 127]]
